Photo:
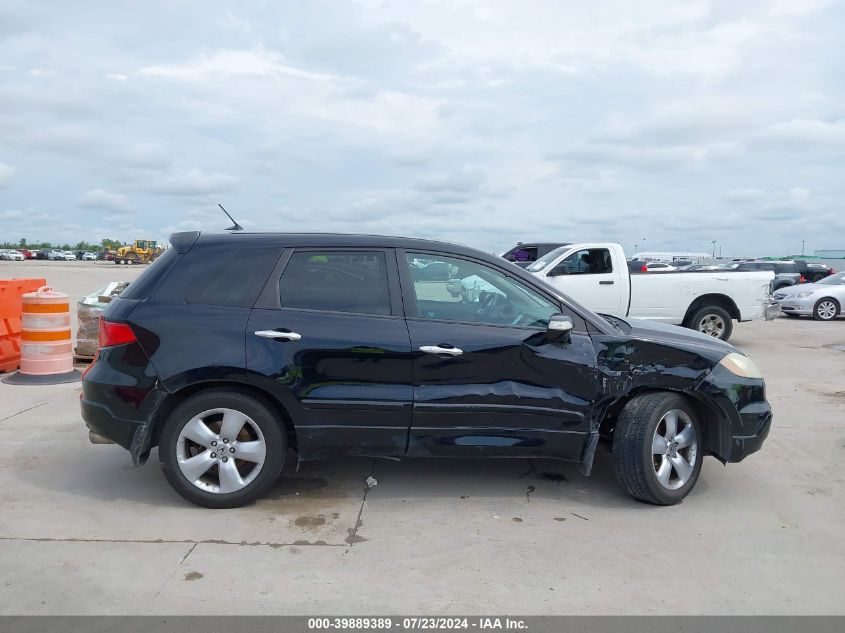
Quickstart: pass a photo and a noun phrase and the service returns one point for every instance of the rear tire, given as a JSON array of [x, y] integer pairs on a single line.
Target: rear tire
[[646, 442], [826, 309], [714, 321], [194, 465]]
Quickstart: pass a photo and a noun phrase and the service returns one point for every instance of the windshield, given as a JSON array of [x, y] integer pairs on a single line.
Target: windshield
[[546, 259], [834, 280]]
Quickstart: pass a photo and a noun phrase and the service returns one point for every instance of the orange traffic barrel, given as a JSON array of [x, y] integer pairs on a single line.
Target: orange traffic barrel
[[46, 347]]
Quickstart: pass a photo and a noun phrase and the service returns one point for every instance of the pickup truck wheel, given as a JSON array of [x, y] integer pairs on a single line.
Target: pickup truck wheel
[[713, 321], [826, 309], [657, 453], [221, 449]]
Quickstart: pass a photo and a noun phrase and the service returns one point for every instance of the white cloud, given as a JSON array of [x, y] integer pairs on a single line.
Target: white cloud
[[104, 200], [224, 63], [191, 182], [807, 132], [6, 173]]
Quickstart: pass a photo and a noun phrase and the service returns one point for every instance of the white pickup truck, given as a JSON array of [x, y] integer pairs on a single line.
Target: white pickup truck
[[597, 276]]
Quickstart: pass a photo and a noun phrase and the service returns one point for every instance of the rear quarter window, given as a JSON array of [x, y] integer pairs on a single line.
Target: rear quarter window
[[236, 280]]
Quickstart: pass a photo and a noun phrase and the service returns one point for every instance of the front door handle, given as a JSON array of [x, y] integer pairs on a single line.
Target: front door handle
[[606, 283], [440, 350], [279, 336]]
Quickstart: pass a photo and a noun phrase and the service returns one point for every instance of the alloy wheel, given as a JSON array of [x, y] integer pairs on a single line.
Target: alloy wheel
[[674, 449], [826, 310], [712, 325], [221, 450]]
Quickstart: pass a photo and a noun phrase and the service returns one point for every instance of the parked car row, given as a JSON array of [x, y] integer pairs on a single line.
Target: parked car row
[[10, 255], [52, 254]]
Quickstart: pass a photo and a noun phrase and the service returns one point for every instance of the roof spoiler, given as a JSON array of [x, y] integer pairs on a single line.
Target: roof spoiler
[[183, 242]]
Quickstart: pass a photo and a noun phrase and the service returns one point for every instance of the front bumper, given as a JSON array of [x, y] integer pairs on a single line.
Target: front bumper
[[744, 415], [793, 305]]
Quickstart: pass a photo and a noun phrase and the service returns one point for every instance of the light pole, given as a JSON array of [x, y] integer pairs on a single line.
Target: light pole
[[802, 248], [714, 242]]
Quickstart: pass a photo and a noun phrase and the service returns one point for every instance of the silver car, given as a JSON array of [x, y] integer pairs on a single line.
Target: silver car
[[11, 255], [823, 300]]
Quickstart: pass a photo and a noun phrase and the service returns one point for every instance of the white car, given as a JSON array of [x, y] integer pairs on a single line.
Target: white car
[[70, 256], [88, 256], [11, 255], [823, 300], [659, 267]]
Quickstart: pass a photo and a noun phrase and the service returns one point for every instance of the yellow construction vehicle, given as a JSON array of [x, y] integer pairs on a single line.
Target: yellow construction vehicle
[[139, 252]]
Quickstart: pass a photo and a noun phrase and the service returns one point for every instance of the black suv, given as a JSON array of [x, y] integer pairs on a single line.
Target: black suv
[[230, 349]]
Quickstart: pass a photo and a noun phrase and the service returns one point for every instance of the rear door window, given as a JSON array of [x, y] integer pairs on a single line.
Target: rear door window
[[336, 281]]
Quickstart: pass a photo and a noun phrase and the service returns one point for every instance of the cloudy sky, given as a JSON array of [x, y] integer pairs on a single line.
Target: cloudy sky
[[479, 121]]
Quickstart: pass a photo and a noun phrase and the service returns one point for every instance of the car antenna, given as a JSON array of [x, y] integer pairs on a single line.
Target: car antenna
[[235, 226]]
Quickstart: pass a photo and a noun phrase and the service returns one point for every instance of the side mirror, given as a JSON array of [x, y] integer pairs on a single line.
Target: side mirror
[[559, 328], [560, 269]]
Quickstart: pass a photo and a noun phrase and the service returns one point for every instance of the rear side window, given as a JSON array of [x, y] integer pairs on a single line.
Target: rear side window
[[786, 268], [237, 280], [336, 281]]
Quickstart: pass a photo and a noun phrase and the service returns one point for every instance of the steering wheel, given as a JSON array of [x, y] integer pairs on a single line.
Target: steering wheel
[[494, 306]]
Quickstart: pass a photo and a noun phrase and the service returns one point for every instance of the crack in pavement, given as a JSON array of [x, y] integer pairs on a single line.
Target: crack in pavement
[[35, 406], [193, 547], [353, 537], [272, 545]]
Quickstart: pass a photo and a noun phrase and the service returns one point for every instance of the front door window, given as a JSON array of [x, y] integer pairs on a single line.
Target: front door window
[[454, 289]]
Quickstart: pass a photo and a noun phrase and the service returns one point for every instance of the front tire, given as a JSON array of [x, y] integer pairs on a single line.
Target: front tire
[[222, 449], [658, 448], [714, 321], [826, 309]]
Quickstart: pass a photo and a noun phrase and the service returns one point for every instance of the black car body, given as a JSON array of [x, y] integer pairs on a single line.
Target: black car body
[[352, 355]]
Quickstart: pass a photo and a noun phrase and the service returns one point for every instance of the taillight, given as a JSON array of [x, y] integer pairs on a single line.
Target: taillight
[[644, 269], [112, 334], [801, 280]]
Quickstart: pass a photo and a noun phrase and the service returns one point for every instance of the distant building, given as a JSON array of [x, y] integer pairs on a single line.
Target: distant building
[[830, 253]]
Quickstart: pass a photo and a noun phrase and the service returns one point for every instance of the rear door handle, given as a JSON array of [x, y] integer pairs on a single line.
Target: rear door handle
[[279, 336], [439, 349], [606, 283]]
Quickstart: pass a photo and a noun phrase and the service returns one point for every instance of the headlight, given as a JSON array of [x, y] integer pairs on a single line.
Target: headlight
[[802, 295], [740, 365]]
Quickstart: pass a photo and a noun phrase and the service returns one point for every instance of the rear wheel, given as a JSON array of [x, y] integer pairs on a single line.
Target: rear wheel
[[657, 448], [714, 321], [826, 309], [222, 449]]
